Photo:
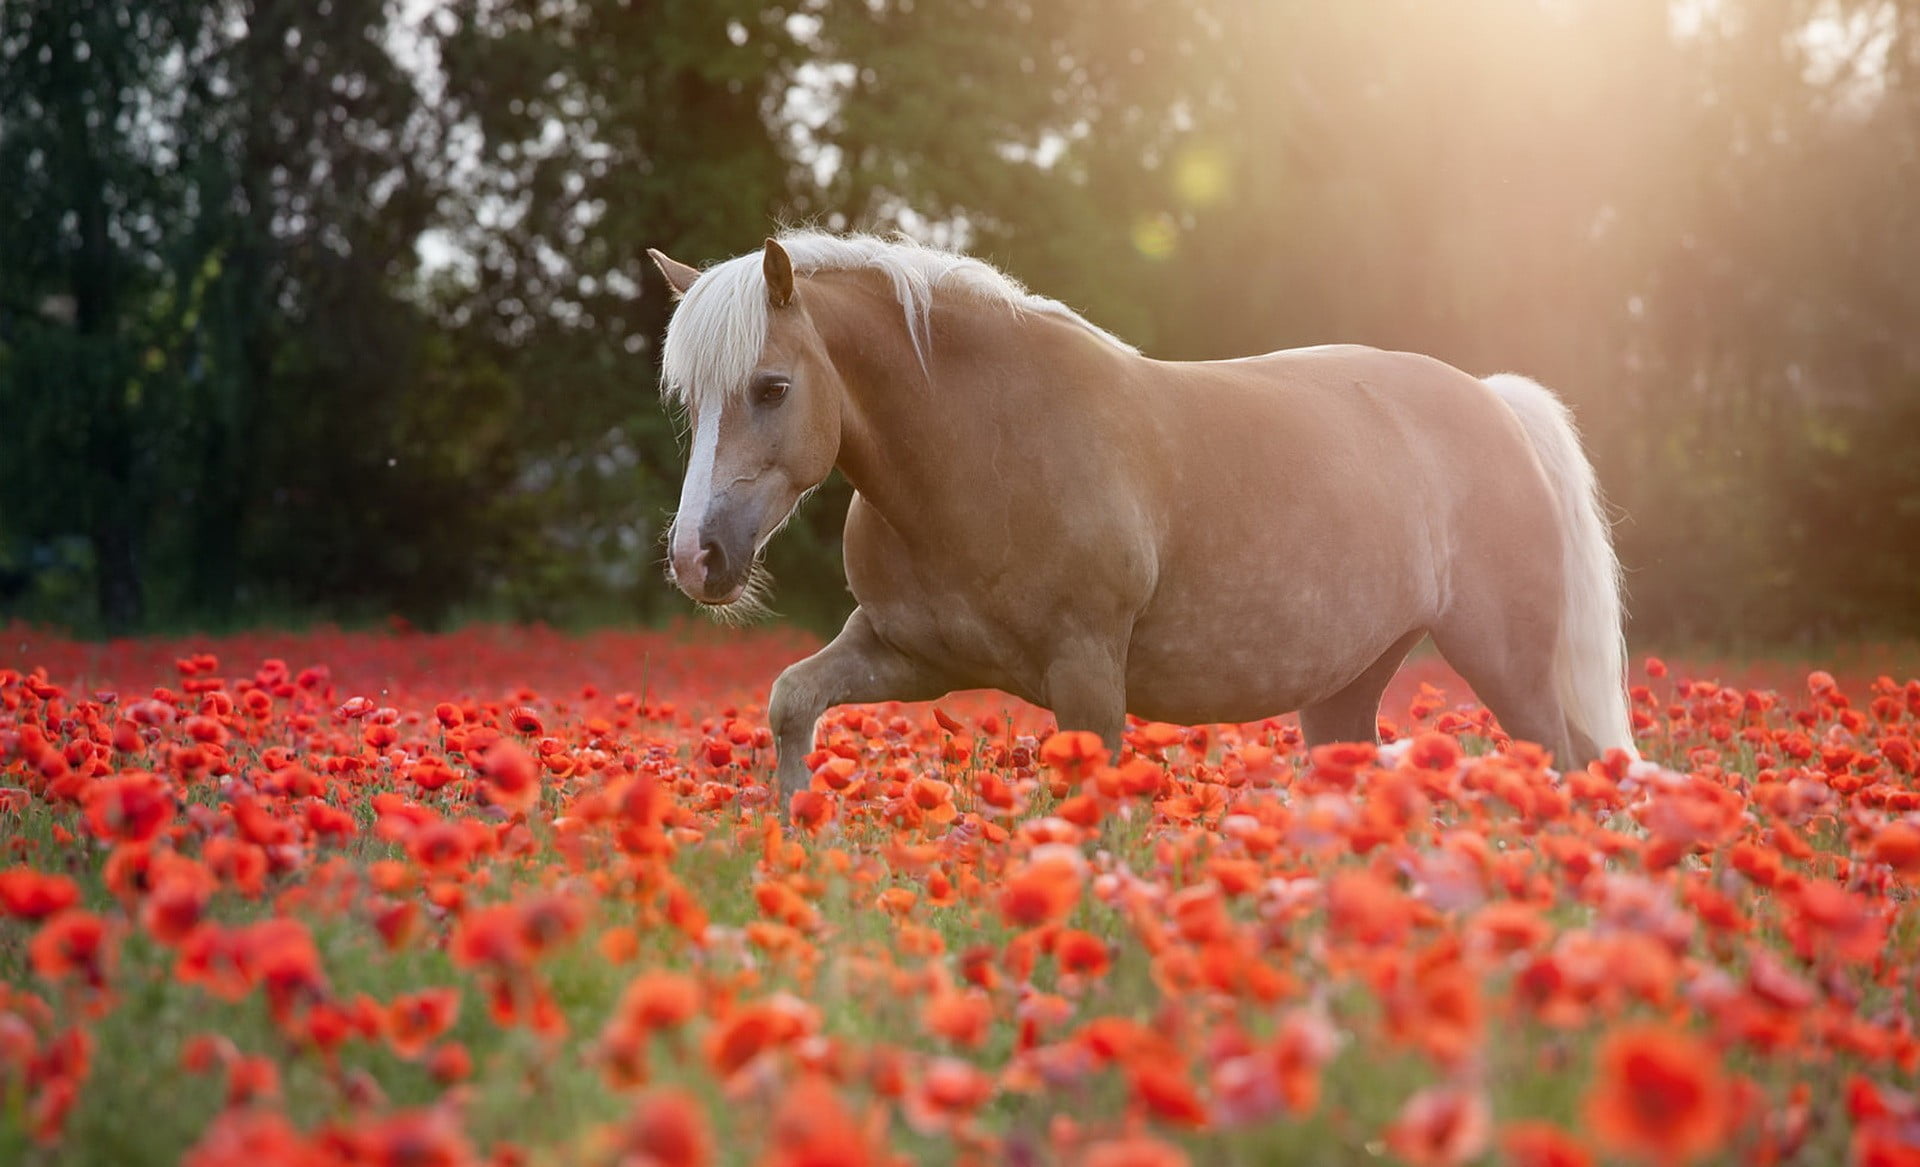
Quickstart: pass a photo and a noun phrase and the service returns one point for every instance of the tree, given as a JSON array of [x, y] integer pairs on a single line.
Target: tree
[[82, 230], [230, 195]]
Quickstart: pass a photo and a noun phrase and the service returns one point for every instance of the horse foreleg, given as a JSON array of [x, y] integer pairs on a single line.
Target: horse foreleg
[[857, 666]]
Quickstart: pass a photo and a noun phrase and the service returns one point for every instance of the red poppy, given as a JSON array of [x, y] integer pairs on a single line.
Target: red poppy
[[666, 1128], [962, 1017], [416, 1138], [1164, 1092], [813, 1128], [74, 943], [414, 1021], [26, 894], [1541, 1144], [1044, 891], [175, 905], [946, 1095], [249, 1138], [130, 808], [1135, 1151], [1834, 920], [659, 1000], [1658, 1093], [1075, 753], [753, 1029], [512, 775], [1365, 908], [1081, 954], [1442, 1126], [489, 937]]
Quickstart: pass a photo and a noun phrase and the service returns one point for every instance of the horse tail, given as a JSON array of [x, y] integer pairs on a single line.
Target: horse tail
[[1590, 659]]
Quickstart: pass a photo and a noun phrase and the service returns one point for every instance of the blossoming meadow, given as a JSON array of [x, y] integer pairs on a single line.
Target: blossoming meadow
[[512, 896]]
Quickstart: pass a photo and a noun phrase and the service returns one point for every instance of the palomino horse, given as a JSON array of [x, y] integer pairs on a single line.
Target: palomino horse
[[1043, 510]]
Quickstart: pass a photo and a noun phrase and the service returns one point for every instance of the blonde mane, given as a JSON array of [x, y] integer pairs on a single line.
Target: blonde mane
[[715, 336]]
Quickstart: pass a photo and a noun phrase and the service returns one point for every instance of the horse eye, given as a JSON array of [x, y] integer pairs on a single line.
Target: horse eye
[[771, 391]]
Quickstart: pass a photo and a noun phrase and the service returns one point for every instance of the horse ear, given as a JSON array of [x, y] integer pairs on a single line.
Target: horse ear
[[680, 277], [778, 266]]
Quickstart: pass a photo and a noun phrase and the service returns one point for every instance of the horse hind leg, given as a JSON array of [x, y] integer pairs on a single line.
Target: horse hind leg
[[1353, 714], [1505, 652]]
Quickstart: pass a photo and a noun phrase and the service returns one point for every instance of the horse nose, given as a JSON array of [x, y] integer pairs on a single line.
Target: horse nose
[[692, 572], [713, 557]]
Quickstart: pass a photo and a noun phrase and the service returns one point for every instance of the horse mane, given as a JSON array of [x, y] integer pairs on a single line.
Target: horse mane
[[715, 336]]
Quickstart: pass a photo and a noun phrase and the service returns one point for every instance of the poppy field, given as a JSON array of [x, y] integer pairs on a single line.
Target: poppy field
[[511, 896]]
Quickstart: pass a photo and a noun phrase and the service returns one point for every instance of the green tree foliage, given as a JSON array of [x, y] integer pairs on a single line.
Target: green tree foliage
[[80, 228], [211, 369], [226, 374]]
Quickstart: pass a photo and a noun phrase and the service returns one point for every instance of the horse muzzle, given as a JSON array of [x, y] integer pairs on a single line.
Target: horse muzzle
[[714, 569]]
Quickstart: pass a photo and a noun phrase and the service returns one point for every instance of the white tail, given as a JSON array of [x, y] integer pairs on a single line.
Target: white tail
[[1590, 660]]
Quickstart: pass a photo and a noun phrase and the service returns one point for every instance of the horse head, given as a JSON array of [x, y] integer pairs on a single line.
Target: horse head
[[763, 403]]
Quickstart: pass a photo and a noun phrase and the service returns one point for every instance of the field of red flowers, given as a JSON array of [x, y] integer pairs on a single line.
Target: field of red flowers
[[517, 897]]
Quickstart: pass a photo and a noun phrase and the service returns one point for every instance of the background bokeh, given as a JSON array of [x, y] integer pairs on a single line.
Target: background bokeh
[[340, 310]]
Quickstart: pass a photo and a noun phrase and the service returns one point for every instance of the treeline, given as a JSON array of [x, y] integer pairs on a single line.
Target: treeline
[[340, 309]]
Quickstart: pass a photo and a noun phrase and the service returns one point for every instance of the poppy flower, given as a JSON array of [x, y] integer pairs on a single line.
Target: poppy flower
[[1074, 753], [813, 1128], [961, 1017], [512, 776], [281, 956], [131, 808], [1081, 954], [946, 1095], [489, 938], [659, 1000], [1365, 908], [1435, 752], [1043, 891], [1134, 1151], [450, 1063], [413, 1021], [666, 1128], [1305, 1042], [252, 1079], [416, 1138], [548, 921], [1898, 846], [1832, 919], [247, 1138], [811, 810], [1659, 1094], [753, 1029], [1534, 1143], [26, 894], [1164, 1092], [174, 908], [1442, 1126], [74, 943]]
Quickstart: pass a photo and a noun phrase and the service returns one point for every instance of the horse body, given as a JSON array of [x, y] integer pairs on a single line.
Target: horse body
[[1306, 495], [1043, 511]]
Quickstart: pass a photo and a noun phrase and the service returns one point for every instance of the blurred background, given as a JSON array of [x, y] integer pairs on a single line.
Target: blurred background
[[340, 310]]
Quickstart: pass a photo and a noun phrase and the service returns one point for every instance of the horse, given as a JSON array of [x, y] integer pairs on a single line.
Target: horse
[[1041, 509]]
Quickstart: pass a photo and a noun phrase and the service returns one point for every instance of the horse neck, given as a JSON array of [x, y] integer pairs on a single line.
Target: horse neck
[[914, 436], [899, 433]]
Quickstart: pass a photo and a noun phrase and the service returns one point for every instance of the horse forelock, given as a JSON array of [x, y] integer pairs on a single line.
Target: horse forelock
[[715, 336]]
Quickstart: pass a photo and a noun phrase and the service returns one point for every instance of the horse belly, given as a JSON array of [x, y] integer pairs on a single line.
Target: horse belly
[[1251, 620], [1202, 670]]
